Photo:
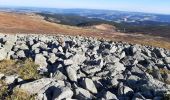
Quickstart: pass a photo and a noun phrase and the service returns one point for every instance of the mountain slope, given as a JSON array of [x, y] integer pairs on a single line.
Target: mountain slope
[[32, 23]]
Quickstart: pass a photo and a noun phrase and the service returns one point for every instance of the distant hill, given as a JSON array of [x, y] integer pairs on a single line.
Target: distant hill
[[146, 27]]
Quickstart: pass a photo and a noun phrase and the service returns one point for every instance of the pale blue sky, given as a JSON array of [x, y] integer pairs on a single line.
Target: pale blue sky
[[155, 6]]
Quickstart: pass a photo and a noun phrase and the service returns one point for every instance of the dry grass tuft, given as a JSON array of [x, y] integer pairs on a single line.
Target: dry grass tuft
[[8, 67], [17, 94], [29, 70], [25, 69], [162, 71]]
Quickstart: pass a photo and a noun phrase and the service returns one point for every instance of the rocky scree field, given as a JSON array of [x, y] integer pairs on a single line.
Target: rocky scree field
[[55, 67]]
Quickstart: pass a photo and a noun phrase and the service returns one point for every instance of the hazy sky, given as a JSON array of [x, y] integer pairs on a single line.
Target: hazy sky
[[155, 6]]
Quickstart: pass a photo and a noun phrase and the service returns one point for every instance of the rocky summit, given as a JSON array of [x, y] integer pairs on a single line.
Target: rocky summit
[[76, 67]]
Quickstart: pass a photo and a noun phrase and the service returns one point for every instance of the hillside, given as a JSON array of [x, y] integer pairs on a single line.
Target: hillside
[[33, 23]]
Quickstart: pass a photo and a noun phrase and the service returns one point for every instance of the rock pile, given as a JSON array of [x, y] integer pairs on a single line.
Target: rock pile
[[87, 68]]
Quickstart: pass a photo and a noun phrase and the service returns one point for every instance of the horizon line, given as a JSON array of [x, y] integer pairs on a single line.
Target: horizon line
[[8, 6]]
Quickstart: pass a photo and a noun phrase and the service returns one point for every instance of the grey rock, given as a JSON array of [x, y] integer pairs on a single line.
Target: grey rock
[[110, 96], [20, 54], [91, 69], [113, 49], [23, 46], [72, 74], [133, 79], [45, 53], [59, 75], [30, 42], [160, 53], [89, 85], [138, 96], [52, 58], [83, 94], [119, 66], [114, 82], [1, 75], [37, 51], [60, 49], [55, 50], [10, 79], [62, 93], [10, 54], [40, 60], [167, 77], [122, 55], [147, 52], [129, 61], [35, 86], [137, 70], [167, 60], [35, 46], [111, 59], [125, 90], [9, 44], [68, 62], [133, 50], [3, 54], [156, 74]]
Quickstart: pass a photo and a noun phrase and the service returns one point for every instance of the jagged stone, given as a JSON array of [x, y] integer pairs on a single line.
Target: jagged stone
[[20, 54], [125, 90], [52, 58], [114, 82], [10, 79], [110, 96], [59, 75], [3, 54], [119, 66], [160, 53], [61, 93], [72, 74], [82, 94], [89, 85], [35, 86], [91, 69], [167, 60], [138, 96], [40, 60], [1, 75]]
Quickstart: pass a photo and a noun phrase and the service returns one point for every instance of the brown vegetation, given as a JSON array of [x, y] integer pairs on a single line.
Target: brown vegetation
[[31, 23], [25, 69]]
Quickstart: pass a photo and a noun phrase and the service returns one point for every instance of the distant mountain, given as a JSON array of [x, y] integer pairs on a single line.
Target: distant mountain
[[128, 22], [110, 15]]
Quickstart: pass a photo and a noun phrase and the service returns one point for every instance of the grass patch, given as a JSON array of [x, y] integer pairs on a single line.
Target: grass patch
[[166, 97], [17, 94], [8, 67], [3, 89], [26, 69], [162, 71]]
